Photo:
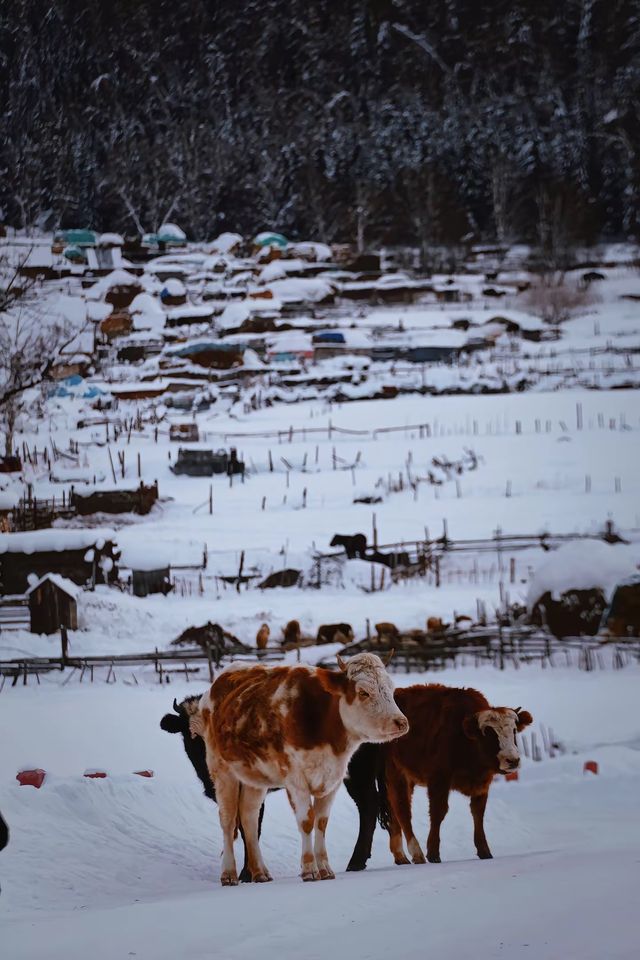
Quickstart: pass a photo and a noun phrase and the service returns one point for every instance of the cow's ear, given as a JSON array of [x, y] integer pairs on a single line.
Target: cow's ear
[[171, 723], [471, 727], [524, 719]]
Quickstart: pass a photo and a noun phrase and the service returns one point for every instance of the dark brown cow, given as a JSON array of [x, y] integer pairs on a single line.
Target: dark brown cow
[[262, 636], [292, 727], [335, 633], [291, 633], [456, 741]]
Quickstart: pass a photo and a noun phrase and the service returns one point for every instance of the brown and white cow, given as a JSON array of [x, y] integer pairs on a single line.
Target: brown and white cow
[[293, 727], [456, 741]]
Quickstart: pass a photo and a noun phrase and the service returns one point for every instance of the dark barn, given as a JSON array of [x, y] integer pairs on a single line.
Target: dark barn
[[82, 556]]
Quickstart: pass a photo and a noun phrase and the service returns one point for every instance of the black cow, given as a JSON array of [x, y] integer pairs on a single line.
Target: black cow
[[4, 833], [393, 560], [354, 545], [178, 722]]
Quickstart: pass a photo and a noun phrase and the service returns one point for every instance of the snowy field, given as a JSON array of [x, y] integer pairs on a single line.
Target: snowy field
[[129, 867]]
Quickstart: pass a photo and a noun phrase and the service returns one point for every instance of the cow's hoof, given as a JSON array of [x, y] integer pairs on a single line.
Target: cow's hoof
[[418, 858], [485, 855], [355, 866], [309, 875], [326, 873], [262, 878], [401, 860], [229, 879], [434, 858], [245, 876]]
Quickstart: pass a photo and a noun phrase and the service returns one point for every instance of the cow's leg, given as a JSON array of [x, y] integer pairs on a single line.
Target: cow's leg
[[366, 800], [322, 809], [245, 873], [361, 787], [251, 799], [301, 802], [400, 792], [438, 806], [478, 804], [228, 791]]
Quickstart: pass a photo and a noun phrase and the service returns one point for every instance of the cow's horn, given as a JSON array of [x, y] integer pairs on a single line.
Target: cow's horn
[[518, 709], [386, 659], [175, 705], [341, 663]]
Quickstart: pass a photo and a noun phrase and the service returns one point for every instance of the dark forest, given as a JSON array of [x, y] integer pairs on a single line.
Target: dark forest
[[373, 121]]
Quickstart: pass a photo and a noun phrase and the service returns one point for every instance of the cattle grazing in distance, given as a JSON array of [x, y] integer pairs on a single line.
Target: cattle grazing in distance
[[291, 634], [262, 636], [387, 630], [354, 545], [178, 722], [335, 633], [392, 560], [456, 741], [435, 625], [293, 727]]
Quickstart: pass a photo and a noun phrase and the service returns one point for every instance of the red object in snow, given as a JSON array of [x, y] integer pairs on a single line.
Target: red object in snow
[[31, 778], [590, 766], [143, 773], [94, 774], [511, 776]]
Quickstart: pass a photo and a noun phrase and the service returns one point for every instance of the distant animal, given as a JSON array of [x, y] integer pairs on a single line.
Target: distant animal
[[435, 625], [291, 633], [354, 545], [393, 560], [178, 722], [335, 633], [293, 727], [262, 636], [463, 621], [456, 741], [387, 630]]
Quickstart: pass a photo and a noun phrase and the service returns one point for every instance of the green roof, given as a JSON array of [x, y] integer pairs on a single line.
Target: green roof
[[81, 238]]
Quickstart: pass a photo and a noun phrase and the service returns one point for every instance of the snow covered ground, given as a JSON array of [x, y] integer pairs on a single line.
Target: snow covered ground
[[128, 866]]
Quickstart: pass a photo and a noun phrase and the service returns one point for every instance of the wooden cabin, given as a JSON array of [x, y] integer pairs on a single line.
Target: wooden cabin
[[84, 556]]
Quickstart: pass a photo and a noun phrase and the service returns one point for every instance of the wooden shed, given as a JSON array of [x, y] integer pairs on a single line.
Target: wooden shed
[[144, 582], [53, 604], [83, 556], [126, 499]]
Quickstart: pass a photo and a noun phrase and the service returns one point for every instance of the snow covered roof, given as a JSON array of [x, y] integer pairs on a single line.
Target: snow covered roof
[[110, 240], [583, 565], [173, 231], [145, 303], [202, 311], [43, 541], [225, 242], [174, 287], [300, 289], [117, 278], [67, 586]]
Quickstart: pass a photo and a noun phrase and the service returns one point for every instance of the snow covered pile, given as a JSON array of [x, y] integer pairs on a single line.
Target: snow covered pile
[[583, 565]]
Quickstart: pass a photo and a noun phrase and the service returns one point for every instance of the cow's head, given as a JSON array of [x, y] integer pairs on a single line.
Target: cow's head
[[495, 731], [178, 722], [369, 711]]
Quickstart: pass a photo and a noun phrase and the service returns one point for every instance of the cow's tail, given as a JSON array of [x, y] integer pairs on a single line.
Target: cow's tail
[[384, 810]]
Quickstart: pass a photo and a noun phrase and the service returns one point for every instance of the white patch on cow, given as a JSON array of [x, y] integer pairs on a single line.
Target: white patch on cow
[[373, 716], [504, 724]]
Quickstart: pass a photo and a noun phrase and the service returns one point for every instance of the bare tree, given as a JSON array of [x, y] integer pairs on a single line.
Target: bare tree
[[32, 341]]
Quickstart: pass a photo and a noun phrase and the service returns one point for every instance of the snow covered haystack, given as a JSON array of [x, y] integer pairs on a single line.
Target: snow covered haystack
[[571, 589]]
